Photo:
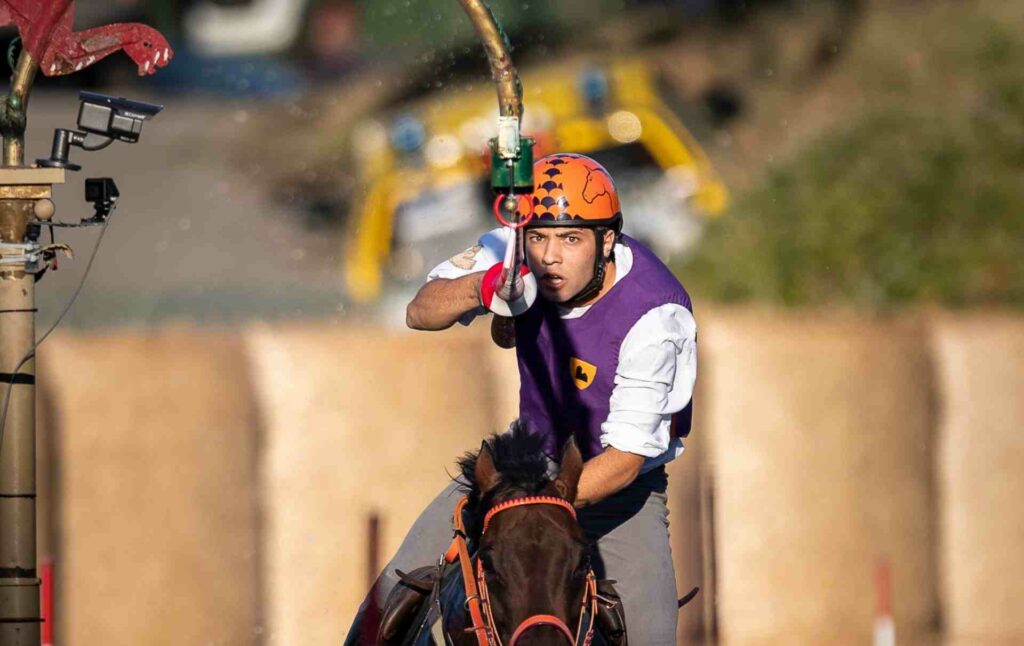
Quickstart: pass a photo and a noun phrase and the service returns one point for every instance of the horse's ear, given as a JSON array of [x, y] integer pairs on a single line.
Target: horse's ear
[[569, 473], [485, 473]]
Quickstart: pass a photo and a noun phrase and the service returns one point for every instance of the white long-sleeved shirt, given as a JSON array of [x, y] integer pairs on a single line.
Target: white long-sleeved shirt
[[657, 359]]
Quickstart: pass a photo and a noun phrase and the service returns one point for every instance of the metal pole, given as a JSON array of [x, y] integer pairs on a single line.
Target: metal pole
[[25, 193], [17, 109], [19, 581]]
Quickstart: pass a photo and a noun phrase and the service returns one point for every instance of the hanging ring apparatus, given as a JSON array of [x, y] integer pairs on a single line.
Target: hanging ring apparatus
[[508, 288]]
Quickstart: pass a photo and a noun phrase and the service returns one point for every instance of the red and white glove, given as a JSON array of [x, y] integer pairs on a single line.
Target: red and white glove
[[491, 284]]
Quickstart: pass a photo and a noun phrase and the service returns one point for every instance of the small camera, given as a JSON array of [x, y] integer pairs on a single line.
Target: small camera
[[102, 193], [104, 117], [117, 118]]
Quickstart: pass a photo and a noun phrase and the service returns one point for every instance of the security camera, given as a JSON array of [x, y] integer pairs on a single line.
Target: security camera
[[118, 118], [105, 119]]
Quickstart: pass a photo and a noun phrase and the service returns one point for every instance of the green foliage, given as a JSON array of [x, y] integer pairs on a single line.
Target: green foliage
[[917, 199], [402, 27]]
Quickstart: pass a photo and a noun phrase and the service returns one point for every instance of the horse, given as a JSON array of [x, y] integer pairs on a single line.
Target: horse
[[528, 581]]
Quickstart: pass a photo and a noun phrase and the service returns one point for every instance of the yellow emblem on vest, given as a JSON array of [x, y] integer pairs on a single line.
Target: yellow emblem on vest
[[583, 373]]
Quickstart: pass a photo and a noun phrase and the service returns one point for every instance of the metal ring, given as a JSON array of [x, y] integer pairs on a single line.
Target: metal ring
[[522, 222]]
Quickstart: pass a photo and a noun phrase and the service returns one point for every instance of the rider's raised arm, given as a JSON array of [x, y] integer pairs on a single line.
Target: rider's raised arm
[[452, 291], [443, 301]]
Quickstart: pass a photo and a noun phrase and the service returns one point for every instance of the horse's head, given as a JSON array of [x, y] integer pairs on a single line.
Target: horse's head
[[534, 556]]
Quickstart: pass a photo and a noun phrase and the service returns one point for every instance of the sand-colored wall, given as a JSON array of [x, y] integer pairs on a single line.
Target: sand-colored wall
[[980, 363], [215, 488], [822, 462], [156, 533], [356, 421]]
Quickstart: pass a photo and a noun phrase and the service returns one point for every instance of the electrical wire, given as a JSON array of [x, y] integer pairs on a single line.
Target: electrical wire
[[31, 353]]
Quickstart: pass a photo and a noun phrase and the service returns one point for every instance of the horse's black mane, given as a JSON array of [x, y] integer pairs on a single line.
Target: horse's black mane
[[520, 459]]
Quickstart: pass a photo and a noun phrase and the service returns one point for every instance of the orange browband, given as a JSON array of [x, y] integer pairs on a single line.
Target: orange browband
[[529, 500]]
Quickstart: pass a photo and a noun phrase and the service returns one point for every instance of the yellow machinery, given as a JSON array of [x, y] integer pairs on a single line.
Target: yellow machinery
[[438, 148]]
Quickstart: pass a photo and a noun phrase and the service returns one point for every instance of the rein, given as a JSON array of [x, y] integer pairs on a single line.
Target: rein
[[478, 600]]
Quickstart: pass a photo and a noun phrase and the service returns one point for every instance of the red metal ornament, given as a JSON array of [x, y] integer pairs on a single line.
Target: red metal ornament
[[46, 29]]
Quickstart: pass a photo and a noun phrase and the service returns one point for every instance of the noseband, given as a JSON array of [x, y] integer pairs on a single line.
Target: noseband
[[478, 600]]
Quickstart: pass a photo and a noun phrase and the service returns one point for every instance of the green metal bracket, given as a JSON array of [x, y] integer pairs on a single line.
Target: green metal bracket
[[517, 173]]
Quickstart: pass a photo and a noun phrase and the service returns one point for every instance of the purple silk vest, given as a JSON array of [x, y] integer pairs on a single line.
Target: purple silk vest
[[567, 366]]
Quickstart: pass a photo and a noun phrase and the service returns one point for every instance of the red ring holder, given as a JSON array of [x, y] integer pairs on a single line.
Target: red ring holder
[[497, 210]]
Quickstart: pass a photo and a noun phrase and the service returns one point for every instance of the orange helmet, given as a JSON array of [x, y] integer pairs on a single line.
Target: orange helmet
[[574, 190], [571, 190]]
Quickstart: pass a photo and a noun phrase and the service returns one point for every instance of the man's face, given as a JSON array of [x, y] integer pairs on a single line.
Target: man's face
[[562, 260]]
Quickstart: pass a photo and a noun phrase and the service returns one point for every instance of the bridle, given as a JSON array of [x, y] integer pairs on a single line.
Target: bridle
[[478, 599]]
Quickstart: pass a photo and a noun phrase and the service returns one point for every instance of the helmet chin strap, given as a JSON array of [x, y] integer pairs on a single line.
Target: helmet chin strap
[[593, 288]]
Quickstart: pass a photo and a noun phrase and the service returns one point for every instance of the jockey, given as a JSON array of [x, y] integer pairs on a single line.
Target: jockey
[[608, 353]]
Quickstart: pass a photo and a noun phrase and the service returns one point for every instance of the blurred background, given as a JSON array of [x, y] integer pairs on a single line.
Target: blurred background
[[838, 183]]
